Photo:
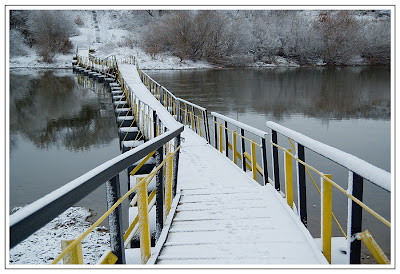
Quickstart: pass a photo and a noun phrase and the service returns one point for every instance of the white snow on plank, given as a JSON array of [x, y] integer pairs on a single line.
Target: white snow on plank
[[225, 217], [131, 77]]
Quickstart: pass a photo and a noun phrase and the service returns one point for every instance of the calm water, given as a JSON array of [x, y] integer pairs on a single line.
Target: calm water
[[62, 125], [59, 130], [347, 108]]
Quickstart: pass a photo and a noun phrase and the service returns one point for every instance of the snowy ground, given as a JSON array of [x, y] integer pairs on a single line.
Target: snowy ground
[[113, 40], [111, 43], [44, 246]]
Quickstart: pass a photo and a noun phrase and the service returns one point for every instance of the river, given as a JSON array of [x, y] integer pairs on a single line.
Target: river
[[62, 125]]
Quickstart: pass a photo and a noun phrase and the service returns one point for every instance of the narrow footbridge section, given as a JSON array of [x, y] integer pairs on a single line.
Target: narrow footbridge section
[[199, 189], [223, 216]]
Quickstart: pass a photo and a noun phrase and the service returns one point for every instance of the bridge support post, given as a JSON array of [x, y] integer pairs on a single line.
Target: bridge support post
[[274, 139], [356, 187], [264, 160], [301, 183], [243, 148], [207, 130], [215, 133], [115, 220], [226, 140], [159, 193], [177, 143]]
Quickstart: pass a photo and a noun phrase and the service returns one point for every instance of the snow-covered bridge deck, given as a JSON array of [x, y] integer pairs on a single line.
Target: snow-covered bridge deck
[[224, 217]]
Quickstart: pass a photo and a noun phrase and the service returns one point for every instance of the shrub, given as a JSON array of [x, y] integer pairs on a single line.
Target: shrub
[[194, 35], [18, 46], [78, 21], [340, 33], [51, 31]]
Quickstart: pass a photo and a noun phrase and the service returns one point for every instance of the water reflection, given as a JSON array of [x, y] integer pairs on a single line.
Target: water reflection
[[61, 126], [326, 93], [49, 109]]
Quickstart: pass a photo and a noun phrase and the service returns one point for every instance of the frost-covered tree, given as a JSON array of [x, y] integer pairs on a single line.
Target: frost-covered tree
[[376, 40], [51, 30], [340, 35], [18, 45], [195, 35], [305, 36]]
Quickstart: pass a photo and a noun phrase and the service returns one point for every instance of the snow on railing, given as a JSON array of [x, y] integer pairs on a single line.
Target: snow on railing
[[183, 111], [358, 171], [370, 172], [248, 160]]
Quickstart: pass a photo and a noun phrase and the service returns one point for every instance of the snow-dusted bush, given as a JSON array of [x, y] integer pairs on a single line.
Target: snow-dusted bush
[[194, 35], [79, 21], [18, 46], [51, 30], [129, 42], [340, 34], [375, 41]]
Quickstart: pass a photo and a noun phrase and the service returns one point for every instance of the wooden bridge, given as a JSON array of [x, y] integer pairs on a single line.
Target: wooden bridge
[[207, 180]]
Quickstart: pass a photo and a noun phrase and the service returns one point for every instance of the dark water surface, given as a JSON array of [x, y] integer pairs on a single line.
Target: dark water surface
[[61, 126]]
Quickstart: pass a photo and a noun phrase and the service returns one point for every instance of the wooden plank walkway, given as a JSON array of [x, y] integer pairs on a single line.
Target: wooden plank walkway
[[225, 217]]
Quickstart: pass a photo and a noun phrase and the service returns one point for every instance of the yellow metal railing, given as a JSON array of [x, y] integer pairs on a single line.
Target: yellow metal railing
[[183, 111], [143, 202], [249, 158], [326, 207]]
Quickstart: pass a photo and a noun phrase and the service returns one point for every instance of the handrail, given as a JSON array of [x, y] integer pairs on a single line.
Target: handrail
[[181, 115], [191, 104], [112, 208], [358, 171], [246, 127], [221, 142], [370, 172], [29, 219]]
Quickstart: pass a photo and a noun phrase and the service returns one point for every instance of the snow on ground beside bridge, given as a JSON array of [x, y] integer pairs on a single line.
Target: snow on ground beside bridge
[[44, 246], [112, 39]]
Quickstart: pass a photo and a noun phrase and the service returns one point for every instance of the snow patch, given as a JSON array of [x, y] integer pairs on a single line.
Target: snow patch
[[44, 245]]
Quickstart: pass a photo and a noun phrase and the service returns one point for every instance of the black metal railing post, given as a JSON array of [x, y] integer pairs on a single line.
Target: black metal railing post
[[356, 219], [155, 122], [243, 148], [215, 132], [301, 175], [226, 139], [177, 143], [274, 139], [159, 192], [113, 192], [264, 160], [207, 130]]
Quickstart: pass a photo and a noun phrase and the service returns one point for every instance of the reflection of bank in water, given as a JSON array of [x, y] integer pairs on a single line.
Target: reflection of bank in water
[[59, 130]]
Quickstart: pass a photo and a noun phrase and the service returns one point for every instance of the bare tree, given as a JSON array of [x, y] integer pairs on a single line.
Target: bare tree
[[51, 30], [340, 33]]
